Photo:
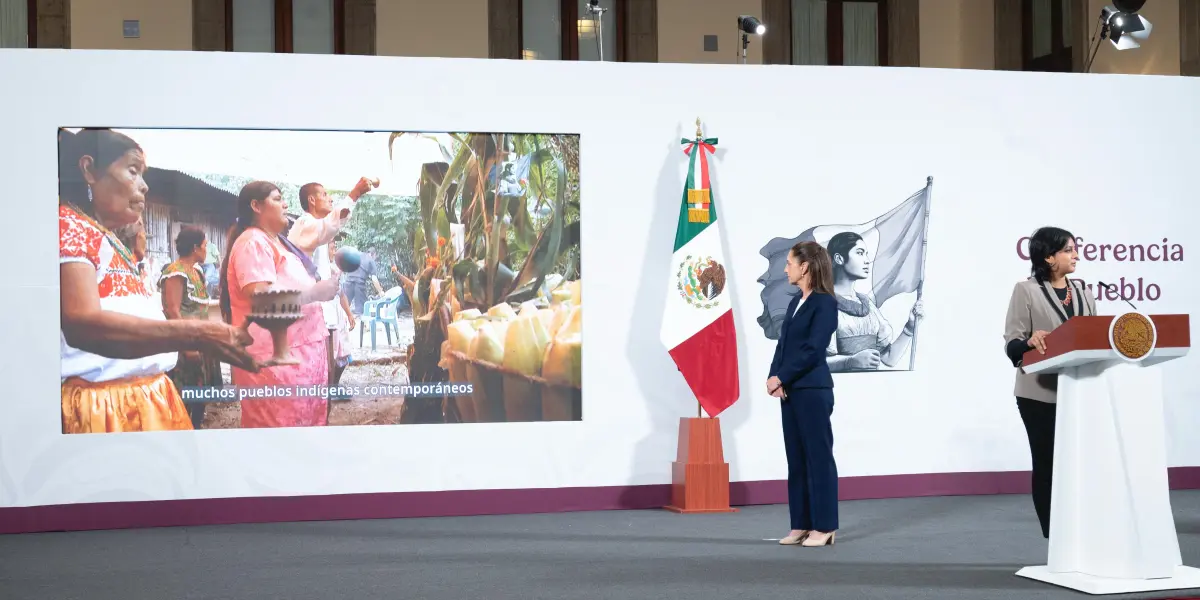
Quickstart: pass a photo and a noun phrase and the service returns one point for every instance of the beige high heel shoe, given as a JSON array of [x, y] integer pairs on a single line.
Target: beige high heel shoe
[[828, 540], [793, 540]]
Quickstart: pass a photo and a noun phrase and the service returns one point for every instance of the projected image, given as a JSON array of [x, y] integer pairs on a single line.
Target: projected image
[[218, 279], [878, 277]]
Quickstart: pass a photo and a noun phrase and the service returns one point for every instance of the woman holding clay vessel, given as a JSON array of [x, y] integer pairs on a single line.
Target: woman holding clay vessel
[[259, 259]]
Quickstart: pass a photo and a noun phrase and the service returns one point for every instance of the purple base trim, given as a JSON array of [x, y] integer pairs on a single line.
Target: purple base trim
[[220, 511]]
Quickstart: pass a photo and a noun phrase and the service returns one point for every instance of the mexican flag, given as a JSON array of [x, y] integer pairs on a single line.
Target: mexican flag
[[698, 327]]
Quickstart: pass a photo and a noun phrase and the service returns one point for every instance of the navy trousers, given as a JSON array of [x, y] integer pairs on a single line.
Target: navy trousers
[[812, 472]]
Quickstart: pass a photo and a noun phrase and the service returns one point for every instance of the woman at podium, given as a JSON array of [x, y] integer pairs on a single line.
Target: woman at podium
[[800, 378], [1038, 305]]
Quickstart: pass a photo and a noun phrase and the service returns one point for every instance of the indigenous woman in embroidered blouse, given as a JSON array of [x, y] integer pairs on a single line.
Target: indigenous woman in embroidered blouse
[[116, 344], [185, 296], [260, 257], [864, 336]]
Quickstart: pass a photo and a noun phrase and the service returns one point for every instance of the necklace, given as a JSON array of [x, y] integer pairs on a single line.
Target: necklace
[[1067, 300], [117, 244]]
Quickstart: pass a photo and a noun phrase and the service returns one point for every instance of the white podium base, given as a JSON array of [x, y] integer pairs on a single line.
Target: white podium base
[[1183, 578], [1111, 504]]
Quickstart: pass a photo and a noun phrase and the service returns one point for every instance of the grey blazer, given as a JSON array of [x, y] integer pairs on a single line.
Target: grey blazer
[[1032, 307]]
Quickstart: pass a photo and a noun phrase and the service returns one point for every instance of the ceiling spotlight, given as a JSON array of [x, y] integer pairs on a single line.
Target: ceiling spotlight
[[751, 25]]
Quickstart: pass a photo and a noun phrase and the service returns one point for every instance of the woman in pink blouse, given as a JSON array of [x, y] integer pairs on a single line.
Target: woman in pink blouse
[[260, 257]]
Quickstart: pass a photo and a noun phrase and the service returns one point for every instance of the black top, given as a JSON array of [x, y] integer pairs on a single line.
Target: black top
[[1016, 349]]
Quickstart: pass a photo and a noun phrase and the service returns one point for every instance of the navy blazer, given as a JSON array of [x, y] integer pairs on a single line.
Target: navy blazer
[[800, 352]]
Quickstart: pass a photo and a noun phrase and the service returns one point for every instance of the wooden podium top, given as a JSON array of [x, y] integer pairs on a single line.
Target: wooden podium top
[[1126, 336]]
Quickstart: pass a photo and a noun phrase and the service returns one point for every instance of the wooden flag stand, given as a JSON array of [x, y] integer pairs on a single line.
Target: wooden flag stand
[[700, 475]]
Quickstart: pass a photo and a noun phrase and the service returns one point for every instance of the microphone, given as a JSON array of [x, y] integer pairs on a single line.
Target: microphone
[[1112, 287]]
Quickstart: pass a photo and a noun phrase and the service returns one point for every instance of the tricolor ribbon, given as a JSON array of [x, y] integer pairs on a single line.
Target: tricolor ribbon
[[706, 146]]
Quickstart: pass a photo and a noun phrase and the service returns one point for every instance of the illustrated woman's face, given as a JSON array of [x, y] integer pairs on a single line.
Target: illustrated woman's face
[[271, 213], [1063, 261], [857, 263], [118, 191]]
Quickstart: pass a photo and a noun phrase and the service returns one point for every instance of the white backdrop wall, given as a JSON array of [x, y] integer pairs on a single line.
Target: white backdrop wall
[[1008, 152]]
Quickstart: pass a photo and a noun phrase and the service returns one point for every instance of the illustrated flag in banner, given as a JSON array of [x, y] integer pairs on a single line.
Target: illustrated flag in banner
[[698, 327], [898, 240]]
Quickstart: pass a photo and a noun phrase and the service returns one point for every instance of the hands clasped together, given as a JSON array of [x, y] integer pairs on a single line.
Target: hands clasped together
[[775, 387]]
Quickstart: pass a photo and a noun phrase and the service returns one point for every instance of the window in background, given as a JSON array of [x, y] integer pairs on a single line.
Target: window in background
[[253, 25], [541, 29], [312, 26], [1046, 35], [839, 32], [810, 43], [860, 34], [17, 28], [287, 26], [566, 30]]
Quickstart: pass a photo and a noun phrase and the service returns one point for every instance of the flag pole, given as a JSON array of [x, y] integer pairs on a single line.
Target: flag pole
[[699, 138], [912, 348]]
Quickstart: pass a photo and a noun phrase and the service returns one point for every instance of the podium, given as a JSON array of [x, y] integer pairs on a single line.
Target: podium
[[1111, 527]]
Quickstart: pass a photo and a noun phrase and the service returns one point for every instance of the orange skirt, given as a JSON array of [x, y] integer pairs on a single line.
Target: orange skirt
[[135, 404]]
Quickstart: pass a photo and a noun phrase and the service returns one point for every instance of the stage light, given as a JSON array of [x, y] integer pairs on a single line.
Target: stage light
[[595, 25], [1122, 25], [1125, 28], [748, 26], [751, 26]]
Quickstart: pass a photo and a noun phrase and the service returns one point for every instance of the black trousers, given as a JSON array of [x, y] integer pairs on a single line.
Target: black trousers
[[812, 472], [1039, 427]]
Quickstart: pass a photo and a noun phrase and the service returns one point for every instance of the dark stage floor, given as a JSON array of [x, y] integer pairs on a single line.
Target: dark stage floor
[[954, 548]]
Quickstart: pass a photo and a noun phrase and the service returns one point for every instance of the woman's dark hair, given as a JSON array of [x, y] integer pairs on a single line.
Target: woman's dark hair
[[105, 146], [188, 240], [820, 267], [255, 190], [1043, 244], [842, 243]]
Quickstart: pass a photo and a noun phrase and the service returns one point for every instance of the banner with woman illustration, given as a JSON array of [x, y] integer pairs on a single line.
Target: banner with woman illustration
[[878, 272], [216, 279]]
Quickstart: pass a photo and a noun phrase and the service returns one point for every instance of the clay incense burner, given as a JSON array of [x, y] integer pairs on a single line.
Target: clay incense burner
[[275, 310]]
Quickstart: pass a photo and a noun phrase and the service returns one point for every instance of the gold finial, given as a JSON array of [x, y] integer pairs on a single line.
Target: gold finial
[[699, 134]]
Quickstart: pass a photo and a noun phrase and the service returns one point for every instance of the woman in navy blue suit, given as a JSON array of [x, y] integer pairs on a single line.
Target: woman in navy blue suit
[[800, 379]]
